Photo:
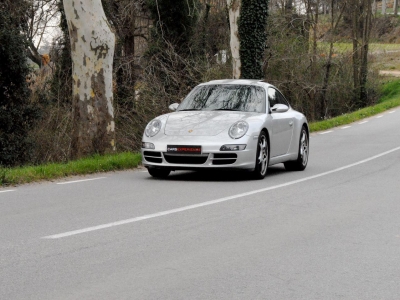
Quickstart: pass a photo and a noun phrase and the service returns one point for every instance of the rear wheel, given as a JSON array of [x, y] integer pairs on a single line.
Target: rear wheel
[[159, 172], [262, 157], [302, 159]]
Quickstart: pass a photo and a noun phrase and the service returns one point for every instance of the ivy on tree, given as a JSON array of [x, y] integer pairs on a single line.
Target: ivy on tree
[[252, 34]]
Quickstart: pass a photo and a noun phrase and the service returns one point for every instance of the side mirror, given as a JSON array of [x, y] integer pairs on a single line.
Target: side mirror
[[173, 106], [280, 108]]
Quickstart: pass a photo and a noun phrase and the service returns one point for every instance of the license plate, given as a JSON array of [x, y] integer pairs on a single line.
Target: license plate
[[184, 149]]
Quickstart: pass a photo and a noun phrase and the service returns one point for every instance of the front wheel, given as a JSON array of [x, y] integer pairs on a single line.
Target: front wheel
[[159, 172], [262, 156], [302, 158]]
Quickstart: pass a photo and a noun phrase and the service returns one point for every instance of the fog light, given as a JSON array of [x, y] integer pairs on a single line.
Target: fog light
[[148, 145], [232, 147]]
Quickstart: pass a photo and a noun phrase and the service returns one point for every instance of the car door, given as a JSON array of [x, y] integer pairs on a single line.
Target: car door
[[282, 124]]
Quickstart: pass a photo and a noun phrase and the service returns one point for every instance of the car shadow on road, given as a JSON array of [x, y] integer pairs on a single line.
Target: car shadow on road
[[220, 175]]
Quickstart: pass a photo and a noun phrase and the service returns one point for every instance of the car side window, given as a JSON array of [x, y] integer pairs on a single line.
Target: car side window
[[272, 97], [281, 99]]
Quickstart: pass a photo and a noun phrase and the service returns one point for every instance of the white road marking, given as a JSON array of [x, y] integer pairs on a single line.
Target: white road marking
[[378, 117], [345, 127], [76, 181], [7, 191], [363, 122], [325, 132], [212, 202], [393, 111]]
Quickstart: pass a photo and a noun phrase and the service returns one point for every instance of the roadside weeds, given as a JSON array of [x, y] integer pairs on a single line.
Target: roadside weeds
[[90, 165]]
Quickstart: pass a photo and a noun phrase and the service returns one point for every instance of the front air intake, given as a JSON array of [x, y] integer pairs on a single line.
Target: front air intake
[[224, 158]]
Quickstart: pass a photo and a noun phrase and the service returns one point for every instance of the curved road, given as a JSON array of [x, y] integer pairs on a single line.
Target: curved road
[[330, 232]]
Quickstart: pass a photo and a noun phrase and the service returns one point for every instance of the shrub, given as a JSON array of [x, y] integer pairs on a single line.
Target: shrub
[[17, 114]]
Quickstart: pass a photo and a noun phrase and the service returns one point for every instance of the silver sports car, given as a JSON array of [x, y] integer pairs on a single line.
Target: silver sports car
[[240, 124]]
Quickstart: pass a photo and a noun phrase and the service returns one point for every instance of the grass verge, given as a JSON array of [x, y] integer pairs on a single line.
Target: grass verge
[[94, 164], [390, 98]]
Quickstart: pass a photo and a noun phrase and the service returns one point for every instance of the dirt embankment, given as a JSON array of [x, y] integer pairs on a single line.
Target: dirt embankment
[[389, 73]]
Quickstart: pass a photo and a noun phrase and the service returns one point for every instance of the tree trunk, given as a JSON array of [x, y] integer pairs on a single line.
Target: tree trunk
[[328, 65], [92, 51], [234, 13], [361, 31], [356, 61], [396, 7], [315, 38], [367, 25], [384, 7]]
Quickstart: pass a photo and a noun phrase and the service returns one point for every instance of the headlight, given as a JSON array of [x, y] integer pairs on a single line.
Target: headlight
[[153, 128], [238, 129]]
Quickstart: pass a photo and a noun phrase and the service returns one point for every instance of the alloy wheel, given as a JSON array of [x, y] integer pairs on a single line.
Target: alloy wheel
[[304, 147], [263, 155]]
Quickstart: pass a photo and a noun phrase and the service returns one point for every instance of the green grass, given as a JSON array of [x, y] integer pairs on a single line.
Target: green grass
[[390, 90], [94, 164], [390, 98]]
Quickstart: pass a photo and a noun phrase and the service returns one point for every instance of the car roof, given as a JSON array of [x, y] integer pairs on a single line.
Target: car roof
[[257, 82]]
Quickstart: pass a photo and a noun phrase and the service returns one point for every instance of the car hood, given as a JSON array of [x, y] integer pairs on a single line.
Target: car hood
[[202, 123]]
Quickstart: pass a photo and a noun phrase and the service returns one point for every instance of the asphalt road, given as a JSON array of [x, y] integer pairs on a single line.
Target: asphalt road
[[330, 232]]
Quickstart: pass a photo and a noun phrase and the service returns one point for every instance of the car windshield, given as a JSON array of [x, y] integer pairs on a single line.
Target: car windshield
[[228, 97]]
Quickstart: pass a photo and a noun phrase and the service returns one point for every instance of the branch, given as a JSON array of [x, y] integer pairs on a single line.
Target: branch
[[36, 59]]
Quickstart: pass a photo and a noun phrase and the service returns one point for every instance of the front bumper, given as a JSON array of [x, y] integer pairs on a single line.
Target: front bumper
[[211, 156]]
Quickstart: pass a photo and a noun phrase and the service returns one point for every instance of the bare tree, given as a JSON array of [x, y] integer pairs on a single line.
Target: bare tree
[[132, 22], [335, 19], [312, 13], [42, 18], [361, 16], [92, 50]]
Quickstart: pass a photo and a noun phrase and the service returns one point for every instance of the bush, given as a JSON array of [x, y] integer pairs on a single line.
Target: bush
[[17, 114]]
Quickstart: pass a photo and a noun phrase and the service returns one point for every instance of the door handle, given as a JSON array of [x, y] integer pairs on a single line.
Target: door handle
[[291, 123]]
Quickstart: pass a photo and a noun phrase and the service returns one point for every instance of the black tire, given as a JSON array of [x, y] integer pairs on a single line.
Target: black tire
[[302, 158], [159, 172], [262, 156]]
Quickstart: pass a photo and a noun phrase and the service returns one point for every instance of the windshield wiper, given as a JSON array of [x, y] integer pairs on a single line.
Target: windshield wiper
[[189, 109], [229, 109]]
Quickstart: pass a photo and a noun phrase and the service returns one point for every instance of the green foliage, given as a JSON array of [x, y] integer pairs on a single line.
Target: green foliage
[[94, 164], [16, 113], [390, 90], [252, 22]]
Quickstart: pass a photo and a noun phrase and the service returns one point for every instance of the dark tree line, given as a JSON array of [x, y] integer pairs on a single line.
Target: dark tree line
[[17, 114]]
